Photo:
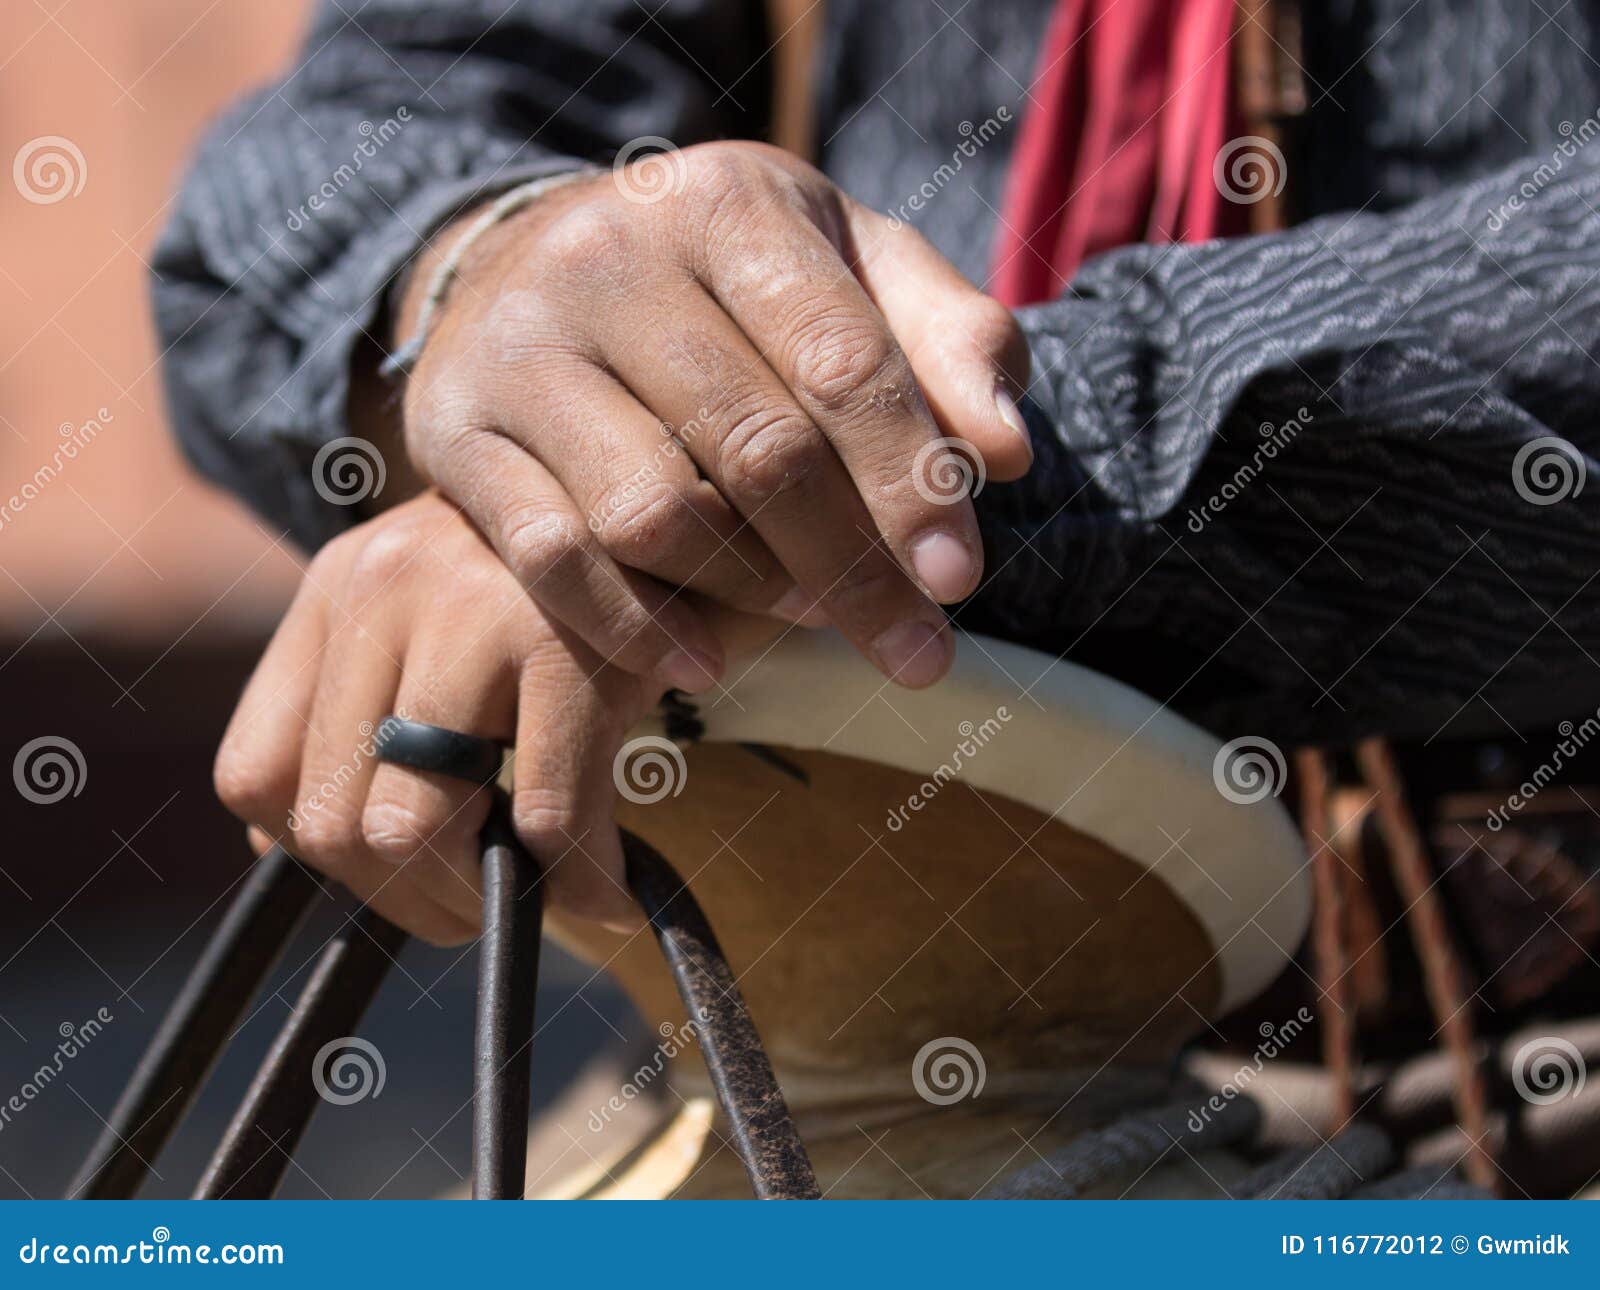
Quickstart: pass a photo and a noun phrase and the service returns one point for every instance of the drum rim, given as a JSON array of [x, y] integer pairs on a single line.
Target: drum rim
[[812, 690]]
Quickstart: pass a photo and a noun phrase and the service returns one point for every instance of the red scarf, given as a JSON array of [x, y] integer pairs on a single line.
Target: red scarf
[[1131, 102]]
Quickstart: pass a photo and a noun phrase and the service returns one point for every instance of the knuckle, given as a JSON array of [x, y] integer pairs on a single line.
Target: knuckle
[[640, 524], [991, 327], [588, 239], [394, 833], [387, 552], [439, 408], [324, 838], [726, 195], [251, 786], [545, 820], [334, 556], [844, 367], [542, 545], [722, 166], [768, 451]]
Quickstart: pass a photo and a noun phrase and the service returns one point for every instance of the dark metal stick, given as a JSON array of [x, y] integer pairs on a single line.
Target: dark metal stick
[[256, 1148], [764, 1135], [508, 953], [508, 977], [259, 923]]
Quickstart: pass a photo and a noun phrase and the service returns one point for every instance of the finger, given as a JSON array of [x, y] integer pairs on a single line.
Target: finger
[[357, 681], [562, 794], [641, 494], [258, 762], [828, 343], [428, 823], [357, 678], [391, 894], [540, 536], [966, 349], [770, 460], [397, 905]]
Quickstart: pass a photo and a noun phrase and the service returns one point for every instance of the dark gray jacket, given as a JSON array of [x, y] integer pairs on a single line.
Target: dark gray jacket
[[1278, 478]]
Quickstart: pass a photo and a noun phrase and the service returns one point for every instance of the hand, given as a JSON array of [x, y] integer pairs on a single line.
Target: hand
[[412, 613], [807, 355]]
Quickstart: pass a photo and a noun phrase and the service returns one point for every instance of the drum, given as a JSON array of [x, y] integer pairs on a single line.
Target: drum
[[971, 923]]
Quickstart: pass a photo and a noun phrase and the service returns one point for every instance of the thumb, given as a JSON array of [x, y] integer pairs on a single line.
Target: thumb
[[967, 351]]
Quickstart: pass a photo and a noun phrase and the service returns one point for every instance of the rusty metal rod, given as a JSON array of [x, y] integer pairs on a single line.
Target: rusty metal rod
[[261, 921], [764, 1134], [256, 1148]]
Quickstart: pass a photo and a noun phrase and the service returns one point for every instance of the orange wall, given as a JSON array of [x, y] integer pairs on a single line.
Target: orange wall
[[124, 538]]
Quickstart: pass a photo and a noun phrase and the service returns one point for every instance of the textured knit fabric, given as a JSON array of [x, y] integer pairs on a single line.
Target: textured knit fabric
[[1278, 478]]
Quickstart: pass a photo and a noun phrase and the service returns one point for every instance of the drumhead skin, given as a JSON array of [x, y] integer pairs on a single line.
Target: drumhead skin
[[1079, 748]]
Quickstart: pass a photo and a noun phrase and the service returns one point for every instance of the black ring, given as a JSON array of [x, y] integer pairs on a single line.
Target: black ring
[[443, 752]]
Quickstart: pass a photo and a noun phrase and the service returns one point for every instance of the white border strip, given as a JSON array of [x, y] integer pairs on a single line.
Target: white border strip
[[1094, 753]]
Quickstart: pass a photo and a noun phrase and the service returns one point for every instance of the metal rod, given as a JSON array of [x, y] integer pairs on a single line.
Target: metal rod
[[764, 1134], [255, 1150], [260, 922], [508, 977]]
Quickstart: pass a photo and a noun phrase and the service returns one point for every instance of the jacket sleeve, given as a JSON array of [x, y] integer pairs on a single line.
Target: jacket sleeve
[[307, 199], [1329, 481]]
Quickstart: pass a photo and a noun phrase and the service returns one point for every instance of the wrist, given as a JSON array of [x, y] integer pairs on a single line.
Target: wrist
[[425, 285]]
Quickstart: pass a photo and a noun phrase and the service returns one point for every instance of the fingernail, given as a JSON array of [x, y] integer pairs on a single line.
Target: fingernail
[[689, 670], [913, 653], [943, 565], [797, 607], [1011, 414]]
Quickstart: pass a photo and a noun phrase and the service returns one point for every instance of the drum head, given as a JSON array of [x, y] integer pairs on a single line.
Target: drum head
[[1062, 836]]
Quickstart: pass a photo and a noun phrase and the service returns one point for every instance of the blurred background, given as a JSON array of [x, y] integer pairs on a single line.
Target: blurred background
[[134, 599]]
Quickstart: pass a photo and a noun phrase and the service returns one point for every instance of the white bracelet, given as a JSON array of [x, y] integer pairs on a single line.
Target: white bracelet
[[445, 272]]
